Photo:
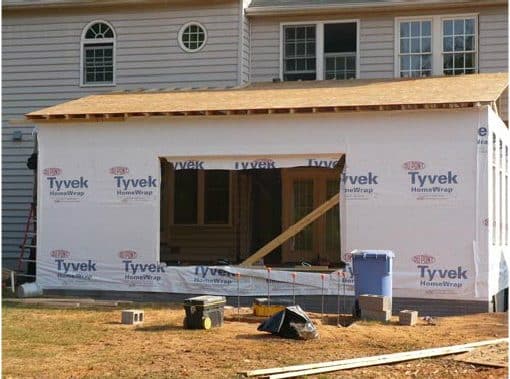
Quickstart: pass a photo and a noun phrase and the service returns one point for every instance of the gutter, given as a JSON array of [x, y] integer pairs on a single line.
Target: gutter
[[390, 6]]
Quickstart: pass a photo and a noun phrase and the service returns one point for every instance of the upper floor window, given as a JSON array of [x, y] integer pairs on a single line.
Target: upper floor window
[[459, 46], [436, 45], [98, 54], [299, 53], [320, 50], [192, 37], [415, 53]]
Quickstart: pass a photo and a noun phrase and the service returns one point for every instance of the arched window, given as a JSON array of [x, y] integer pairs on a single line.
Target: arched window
[[98, 54]]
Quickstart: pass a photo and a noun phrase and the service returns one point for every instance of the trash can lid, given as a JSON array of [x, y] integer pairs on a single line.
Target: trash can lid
[[373, 254]]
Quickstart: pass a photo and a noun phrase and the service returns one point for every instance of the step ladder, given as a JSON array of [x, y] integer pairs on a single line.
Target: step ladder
[[29, 243]]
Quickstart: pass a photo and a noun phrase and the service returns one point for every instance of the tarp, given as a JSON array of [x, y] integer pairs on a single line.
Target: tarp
[[292, 322]]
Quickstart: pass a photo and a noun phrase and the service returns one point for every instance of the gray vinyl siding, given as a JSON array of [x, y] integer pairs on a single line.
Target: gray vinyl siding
[[377, 36], [41, 67], [493, 44], [377, 47], [265, 49], [245, 51]]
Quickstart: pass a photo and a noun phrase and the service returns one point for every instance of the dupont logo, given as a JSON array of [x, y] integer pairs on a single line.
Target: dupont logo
[[413, 165], [128, 254], [61, 254], [423, 259], [119, 170], [485, 221], [52, 171], [260, 164]]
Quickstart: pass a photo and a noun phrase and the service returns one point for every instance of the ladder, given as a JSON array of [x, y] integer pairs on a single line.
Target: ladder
[[29, 243]]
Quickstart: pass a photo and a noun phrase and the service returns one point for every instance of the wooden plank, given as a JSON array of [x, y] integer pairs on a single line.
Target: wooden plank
[[482, 363], [317, 368], [291, 231]]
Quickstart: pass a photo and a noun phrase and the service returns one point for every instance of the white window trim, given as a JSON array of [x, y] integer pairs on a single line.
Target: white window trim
[[437, 39], [319, 44], [181, 32], [84, 42]]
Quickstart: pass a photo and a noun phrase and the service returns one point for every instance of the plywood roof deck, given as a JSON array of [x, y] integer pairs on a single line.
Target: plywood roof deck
[[288, 97]]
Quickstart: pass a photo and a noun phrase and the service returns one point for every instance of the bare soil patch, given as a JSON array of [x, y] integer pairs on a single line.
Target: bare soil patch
[[91, 343]]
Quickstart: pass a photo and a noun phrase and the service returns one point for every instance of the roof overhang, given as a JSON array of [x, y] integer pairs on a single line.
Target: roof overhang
[[35, 4], [380, 6], [466, 91]]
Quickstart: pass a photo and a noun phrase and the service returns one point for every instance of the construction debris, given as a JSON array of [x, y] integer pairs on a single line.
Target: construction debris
[[430, 320], [74, 302], [324, 367], [491, 356]]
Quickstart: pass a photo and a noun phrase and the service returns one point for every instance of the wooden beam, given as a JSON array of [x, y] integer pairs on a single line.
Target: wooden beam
[[317, 368], [291, 231]]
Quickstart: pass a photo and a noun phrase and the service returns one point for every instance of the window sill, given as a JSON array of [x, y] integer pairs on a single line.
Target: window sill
[[97, 85]]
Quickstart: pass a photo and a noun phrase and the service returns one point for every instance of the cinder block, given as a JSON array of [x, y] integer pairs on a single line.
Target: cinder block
[[407, 317], [132, 316], [375, 302], [375, 315]]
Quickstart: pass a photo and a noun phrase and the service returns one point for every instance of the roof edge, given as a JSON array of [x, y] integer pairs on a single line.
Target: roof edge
[[39, 116], [401, 5], [96, 3]]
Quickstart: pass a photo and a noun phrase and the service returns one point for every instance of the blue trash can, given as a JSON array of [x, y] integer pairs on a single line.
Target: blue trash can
[[372, 270]]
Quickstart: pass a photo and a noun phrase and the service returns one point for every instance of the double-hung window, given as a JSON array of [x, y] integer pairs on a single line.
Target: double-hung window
[[415, 43], [320, 50], [340, 46], [98, 54], [459, 46], [299, 52], [436, 45]]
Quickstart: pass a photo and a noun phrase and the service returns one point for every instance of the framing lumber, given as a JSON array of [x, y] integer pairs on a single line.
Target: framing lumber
[[291, 231], [323, 367]]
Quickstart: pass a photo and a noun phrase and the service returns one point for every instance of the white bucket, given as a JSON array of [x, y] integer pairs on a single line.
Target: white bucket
[[29, 290]]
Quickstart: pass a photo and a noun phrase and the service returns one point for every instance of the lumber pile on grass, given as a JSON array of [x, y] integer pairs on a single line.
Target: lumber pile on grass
[[324, 367]]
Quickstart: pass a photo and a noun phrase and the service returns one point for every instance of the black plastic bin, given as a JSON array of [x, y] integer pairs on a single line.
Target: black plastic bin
[[204, 312]]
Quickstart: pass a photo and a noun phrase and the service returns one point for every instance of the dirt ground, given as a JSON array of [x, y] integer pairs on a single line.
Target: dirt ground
[[75, 343]]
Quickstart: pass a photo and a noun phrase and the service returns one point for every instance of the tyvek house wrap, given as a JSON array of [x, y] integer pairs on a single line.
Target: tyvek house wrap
[[419, 198]]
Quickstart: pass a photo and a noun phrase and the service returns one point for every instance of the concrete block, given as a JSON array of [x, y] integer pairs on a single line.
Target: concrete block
[[375, 315], [132, 316], [375, 302], [407, 317]]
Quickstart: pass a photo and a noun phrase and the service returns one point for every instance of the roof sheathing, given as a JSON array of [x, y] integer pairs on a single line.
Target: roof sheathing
[[288, 97], [270, 7]]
